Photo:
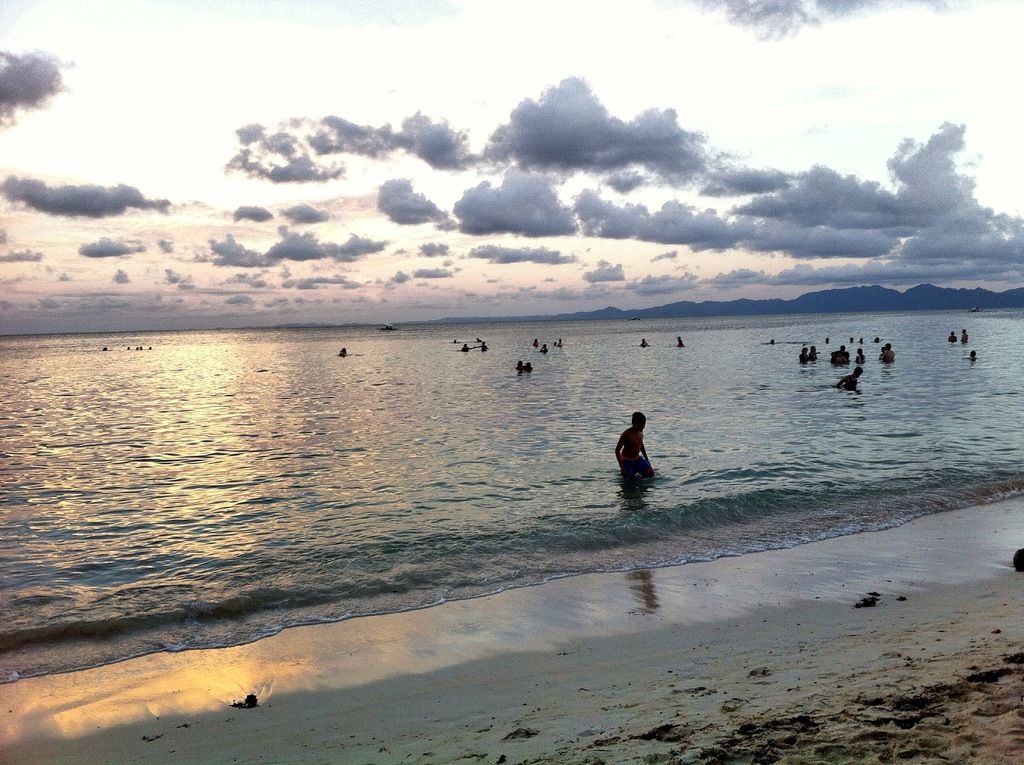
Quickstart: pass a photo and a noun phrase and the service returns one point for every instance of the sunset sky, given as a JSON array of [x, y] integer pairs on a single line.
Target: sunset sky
[[208, 163]]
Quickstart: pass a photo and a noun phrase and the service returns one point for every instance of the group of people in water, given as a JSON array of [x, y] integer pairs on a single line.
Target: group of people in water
[[887, 356]]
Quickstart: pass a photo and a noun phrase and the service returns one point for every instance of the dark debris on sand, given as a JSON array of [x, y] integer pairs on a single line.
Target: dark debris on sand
[[250, 702]]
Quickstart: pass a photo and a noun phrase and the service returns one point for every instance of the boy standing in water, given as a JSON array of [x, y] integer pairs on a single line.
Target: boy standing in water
[[630, 451]]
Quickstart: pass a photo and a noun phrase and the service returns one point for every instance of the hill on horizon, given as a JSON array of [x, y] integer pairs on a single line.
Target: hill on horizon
[[923, 297]]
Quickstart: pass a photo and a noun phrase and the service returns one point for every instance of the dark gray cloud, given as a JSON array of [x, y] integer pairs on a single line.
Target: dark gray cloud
[[397, 200], [932, 215], [292, 246], [249, 212], [166, 246], [256, 281], [121, 277], [662, 285], [180, 281], [305, 214], [26, 82], [3, 236], [25, 256], [230, 253], [433, 249], [777, 18], [431, 273], [78, 201], [740, 181], [239, 300], [624, 181], [504, 255], [928, 215], [316, 282], [111, 248], [400, 277], [569, 130], [674, 223], [436, 143], [670, 255], [605, 272], [307, 247], [279, 157], [300, 150], [524, 204]]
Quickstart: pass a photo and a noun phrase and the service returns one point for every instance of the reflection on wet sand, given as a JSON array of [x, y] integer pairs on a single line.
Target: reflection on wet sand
[[643, 586]]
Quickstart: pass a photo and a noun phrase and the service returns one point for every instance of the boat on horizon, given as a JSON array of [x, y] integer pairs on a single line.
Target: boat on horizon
[[387, 328]]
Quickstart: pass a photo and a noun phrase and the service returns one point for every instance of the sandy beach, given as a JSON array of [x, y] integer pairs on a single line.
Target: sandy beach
[[898, 645]]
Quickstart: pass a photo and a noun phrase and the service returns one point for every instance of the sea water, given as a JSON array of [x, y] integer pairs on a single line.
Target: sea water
[[227, 484]]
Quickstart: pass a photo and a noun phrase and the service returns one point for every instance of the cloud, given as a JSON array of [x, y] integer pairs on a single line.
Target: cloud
[[778, 18], [111, 248], [239, 300], [256, 281], [436, 143], [605, 272], [433, 249], [307, 247], [523, 204], [569, 130], [397, 200], [932, 215], [625, 181], [121, 277], [75, 201], [674, 223], [303, 213], [25, 256], [670, 255], [230, 253], [315, 282], [662, 285], [431, 273], [249, 212], [505, 255], [166, 246], [178, 280], [295, 152], [400, 277], [279, 158], [26, 82], [3, 236], [740, 181], [292, 246]]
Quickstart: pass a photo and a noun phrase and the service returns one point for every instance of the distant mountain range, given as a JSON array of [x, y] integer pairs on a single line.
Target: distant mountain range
[[923, 297]]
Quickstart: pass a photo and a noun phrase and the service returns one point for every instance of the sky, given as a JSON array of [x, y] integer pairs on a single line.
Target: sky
[[225, 163]]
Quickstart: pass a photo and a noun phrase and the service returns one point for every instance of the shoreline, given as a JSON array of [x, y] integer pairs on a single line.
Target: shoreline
[[587, 666]]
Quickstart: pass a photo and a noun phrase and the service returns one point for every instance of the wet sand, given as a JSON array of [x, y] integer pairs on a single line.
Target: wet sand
[[761, 658]]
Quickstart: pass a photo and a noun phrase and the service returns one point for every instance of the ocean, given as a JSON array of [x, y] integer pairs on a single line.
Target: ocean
[[217, 487]]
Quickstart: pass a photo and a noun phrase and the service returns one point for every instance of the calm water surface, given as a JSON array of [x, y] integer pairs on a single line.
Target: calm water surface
[[226, 484]]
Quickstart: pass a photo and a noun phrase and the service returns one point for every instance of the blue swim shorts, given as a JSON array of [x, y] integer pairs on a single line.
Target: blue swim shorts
[[633, 468]]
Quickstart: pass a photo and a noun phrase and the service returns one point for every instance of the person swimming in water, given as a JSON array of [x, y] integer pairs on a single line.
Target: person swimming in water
[[888, 355], [644, 343], [679, 342], [850, 381], [464, 348], [859, 358], [343, 353], [630, 451]]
